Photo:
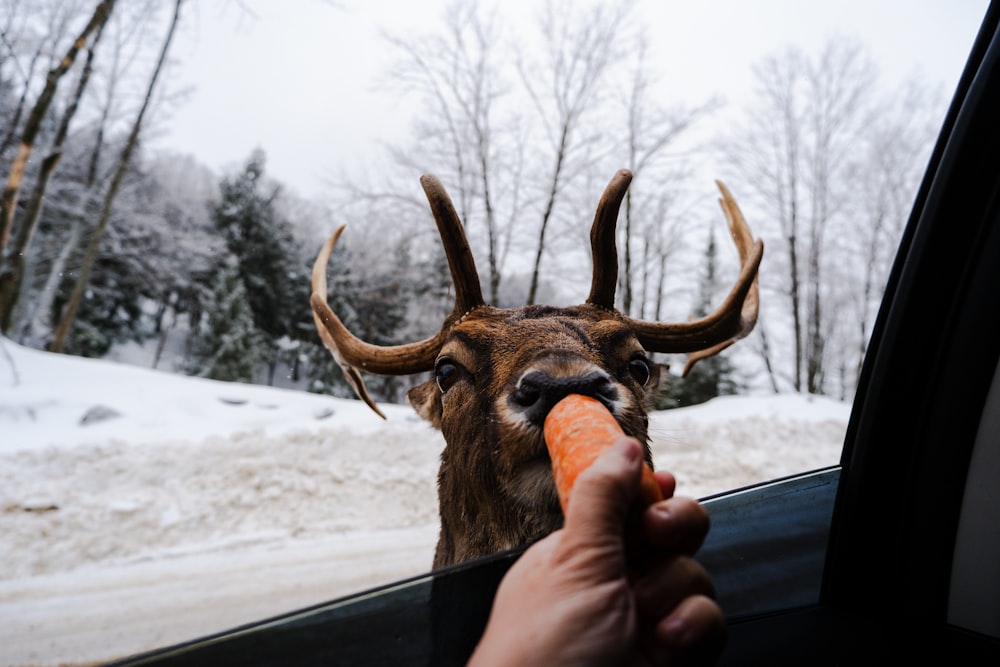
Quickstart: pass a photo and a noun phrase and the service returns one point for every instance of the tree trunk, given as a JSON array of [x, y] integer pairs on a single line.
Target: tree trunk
[[644, 296], [15, 120], [794, 290], [814, 362], [661, 278], [8, 202], [272, 364], [37, 321], [547, 215], [765, 353], [163, 332], [627, 276], [90, 256], [296, 371], [491, 227], [13, 274], [866, 292]]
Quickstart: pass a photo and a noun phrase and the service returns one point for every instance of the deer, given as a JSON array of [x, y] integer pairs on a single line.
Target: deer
[[496, 372]]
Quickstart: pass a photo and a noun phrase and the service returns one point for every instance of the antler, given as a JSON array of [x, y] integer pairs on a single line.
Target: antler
[[602, 242], [351, 352], [725, 317], [704, 337]]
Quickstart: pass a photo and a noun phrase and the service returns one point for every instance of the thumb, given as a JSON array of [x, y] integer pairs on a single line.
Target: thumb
[[599, 503]]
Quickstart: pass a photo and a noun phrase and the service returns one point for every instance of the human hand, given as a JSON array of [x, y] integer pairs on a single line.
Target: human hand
[[574, 598]]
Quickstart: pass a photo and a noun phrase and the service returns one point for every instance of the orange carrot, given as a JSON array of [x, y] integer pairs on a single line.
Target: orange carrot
[[579, 429]]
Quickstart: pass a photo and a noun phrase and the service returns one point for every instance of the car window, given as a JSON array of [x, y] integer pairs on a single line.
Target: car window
[[198, 461], [437, 618]]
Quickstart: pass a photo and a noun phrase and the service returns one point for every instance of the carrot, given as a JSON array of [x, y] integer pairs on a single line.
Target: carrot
[[579, 429]]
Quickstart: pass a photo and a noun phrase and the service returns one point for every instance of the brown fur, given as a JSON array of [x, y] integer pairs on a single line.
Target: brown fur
[[498, 372], [495, 483]]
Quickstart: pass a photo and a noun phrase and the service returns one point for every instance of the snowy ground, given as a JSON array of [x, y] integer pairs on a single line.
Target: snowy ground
[[194, 506]]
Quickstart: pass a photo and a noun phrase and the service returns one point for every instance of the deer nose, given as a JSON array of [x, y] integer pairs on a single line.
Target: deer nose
[[537, 392]]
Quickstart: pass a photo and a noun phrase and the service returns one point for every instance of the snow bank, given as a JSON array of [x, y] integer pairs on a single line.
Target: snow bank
[[57, 400], [733, 441], [131, 502], [183, 506]]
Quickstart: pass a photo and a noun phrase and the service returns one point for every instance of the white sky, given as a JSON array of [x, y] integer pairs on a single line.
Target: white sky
[[298, 78]]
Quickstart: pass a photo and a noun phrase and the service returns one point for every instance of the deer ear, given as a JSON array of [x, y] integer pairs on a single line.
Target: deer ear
[[426, 400]]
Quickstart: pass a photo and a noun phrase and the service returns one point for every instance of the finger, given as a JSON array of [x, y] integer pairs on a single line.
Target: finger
[[600, 501], [667, 482], [658, 592], [695, 631], [676, 525]]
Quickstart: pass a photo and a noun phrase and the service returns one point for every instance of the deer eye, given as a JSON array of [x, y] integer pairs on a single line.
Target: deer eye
[[446, 373], [640, 370]]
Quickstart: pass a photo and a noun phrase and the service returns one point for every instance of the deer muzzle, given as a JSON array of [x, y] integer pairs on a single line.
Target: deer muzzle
[[539, 390]]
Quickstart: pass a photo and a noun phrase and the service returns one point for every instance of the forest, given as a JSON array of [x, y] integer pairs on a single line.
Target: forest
[[105, 243]]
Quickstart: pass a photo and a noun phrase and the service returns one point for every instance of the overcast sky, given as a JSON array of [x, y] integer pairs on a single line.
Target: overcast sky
[[298, 78]]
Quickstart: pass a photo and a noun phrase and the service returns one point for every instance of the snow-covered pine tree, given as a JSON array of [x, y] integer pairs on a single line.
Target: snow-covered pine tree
[[262, 243], [231, 348]]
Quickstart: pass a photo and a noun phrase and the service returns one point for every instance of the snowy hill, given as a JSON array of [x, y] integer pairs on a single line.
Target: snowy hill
[[141, 508]]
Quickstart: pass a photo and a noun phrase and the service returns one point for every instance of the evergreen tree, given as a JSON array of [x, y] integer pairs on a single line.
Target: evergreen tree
[[261, 241], [127, 268], [230, 348], [111, 310], [707, 379]]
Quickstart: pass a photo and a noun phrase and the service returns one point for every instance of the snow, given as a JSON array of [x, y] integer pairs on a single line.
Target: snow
[[182, 506]]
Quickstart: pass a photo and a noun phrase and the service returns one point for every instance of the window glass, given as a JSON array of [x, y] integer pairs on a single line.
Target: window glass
[[196, 459]]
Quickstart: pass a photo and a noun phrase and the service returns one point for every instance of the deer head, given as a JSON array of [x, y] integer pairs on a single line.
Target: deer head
[[497, 371]]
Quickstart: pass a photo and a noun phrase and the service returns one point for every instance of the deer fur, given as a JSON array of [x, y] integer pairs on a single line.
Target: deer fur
[[495, 482], [497, 371]]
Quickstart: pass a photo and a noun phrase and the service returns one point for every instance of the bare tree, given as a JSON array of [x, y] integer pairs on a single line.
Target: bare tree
[[35, 325], [767, 152], [27, 77], [898, 137], [651, 135], [12, 274], [458, 75], [8, 202], [518, 140], [578, 48], [834, 163], [521, 138], [90, 256], [839, 86], [662, 243]]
